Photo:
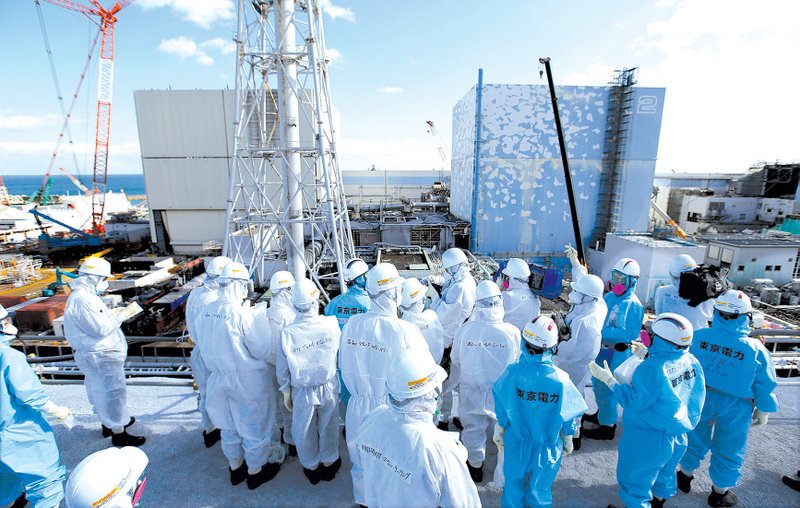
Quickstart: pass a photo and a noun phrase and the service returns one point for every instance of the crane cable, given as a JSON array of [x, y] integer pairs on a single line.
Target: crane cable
[[57, 84]]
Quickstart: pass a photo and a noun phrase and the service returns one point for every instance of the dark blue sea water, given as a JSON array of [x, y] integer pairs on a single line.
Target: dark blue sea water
[[26, 185]]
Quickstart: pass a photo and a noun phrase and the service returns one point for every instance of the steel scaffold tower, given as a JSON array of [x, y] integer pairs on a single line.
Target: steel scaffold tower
[[286, 205]]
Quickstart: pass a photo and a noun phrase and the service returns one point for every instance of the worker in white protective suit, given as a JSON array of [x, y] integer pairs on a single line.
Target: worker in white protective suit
[[110, 478], [309, 383], [520, 303], [407, 461], [198, 299], [412, 309], [369, 343], [240, 400], [483, 347], [453, 308], [585, 323], [100, 351], [667, 298], [280, 315]]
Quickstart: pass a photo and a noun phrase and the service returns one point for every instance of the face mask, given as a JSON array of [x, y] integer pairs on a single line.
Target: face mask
[[575, 298], [101, 287], [617, 289], [505, 284], [645, 338]]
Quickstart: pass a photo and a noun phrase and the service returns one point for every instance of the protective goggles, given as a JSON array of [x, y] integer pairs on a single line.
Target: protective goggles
[[617, 277], [727, 316]]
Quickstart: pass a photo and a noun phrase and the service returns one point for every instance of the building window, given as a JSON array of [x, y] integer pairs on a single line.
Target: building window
[[768, 268], [727, 255], [777, 268], [752, 260], [741, 268], [742, 216], [713, 251], [791, 259]]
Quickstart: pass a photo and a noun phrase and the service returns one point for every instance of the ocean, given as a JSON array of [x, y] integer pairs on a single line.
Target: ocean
[[26, 185]]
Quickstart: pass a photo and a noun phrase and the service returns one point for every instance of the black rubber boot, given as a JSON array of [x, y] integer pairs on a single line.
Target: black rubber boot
[[211, 438], [20, 502], [476, 473], [267, 473], [328, 473], [107, 432], [457, 423], [292, 450], [591, 418], [684, 482], [792, 483], [239, 474], [125, 439], [657, 503], [443, 425], [724, 500], [576, 443], [601, 433], [313, 475]]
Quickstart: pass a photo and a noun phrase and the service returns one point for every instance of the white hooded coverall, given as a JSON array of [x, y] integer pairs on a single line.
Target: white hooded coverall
[[456, 303], [520, 304], [369, 343], [307, 366], [240, 400], [484, 346], [667, 300], [428, 323], [198, 299], [280, 315], [100, 352], [409, 462]]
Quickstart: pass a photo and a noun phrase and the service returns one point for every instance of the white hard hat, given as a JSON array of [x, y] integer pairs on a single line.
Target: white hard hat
[[680, 264], [382, 277], [3, 313], [96, 266], [733, 301], [413, 291], [354, 269], [486, 289], [589, 285], [305, 292], [280, 280], [517, 268], [541, 332], [216, 265], [413, 373], [673, 328], [453, 257], [236, 271], [108, 478], [627, 266]]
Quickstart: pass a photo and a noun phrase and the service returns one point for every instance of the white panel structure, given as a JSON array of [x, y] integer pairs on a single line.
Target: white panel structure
[[281, 92]]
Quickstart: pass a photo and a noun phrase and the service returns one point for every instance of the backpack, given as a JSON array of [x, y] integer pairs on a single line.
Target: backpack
[[703, 283]]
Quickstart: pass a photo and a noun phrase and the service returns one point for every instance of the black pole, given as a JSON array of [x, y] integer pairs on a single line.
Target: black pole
[[576, 227]]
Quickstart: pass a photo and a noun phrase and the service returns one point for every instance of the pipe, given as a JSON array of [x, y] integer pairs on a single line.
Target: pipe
[[576, 227], [473, 237]]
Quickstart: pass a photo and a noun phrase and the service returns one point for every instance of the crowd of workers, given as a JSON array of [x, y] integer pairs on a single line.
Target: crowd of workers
[[481, 359]]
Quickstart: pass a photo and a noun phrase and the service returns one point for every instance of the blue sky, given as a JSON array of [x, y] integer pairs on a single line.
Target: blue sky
[[729, 67]]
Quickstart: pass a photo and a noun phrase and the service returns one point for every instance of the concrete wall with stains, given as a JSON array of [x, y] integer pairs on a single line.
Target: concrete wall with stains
[[522, 206]]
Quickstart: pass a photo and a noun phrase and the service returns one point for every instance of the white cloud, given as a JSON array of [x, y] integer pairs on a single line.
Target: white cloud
[[219, 44], [184, 47], [334, 56], [598, 73], [26, 122], [730, 79], [203, 13], [334, 11], [392, 90]]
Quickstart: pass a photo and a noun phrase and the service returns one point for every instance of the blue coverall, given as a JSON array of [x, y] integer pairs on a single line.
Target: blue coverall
[[661, 404], [534, 401], [353, 301], [622, 325], [739, 376], [29, 458]]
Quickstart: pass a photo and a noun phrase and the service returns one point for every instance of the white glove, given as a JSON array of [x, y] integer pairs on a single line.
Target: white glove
[[287, 399], [499, 432], [572, 255], [129, 311], [759, 418], [56, 411], [568, 446], [639, 350], [603, 374], [437, 280]]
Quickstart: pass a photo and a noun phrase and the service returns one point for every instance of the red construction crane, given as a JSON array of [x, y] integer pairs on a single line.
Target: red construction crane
[[106, 22]]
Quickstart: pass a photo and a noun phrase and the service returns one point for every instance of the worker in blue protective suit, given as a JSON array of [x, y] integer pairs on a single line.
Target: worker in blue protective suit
[[740, 378], [197, 301], [622, 326], [536, 405], [660, 405], [353, 301], [29, 460]]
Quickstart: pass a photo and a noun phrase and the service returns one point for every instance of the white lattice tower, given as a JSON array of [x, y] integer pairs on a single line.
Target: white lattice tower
[[286, 204]]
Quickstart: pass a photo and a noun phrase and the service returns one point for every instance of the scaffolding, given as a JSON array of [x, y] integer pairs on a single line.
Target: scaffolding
[[620, 114], [18, 270], [286, 207]]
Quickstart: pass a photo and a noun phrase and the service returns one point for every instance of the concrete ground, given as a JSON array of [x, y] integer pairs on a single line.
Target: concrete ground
[[183, 473]]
